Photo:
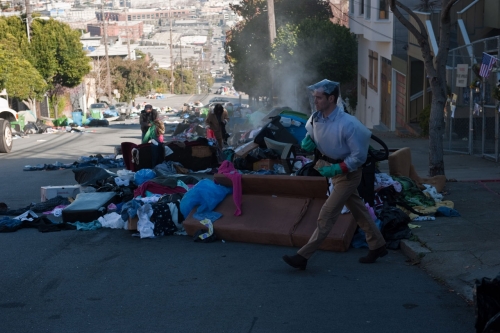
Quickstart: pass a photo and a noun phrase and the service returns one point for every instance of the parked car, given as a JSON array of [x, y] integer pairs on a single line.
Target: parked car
[[219, 100], [123, 109], [96, 110], [6, 116]]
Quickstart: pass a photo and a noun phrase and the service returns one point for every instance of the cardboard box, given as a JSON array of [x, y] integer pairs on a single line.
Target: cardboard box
[[132, 223], [49, 192], [265, 164], [243, 150]]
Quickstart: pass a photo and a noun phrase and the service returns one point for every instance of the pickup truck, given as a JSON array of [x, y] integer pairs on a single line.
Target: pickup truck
[[6, 116]]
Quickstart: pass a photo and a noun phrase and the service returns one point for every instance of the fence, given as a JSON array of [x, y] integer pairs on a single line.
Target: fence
[[472, 120]]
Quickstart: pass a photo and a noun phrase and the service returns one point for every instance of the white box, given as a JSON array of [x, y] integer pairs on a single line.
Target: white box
[[69, 191]]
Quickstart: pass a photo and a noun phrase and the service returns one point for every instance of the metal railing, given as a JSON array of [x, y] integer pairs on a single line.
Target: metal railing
[[472, 123]]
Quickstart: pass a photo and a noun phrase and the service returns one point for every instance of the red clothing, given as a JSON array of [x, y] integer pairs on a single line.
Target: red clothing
[[157, 189]]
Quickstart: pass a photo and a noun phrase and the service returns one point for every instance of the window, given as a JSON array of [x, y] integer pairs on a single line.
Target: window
[[368, 8], [383, 9], [373, 65], [361, 7], [351, 6]]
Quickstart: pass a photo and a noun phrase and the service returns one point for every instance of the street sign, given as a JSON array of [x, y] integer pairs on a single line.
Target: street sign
[[462, 73]]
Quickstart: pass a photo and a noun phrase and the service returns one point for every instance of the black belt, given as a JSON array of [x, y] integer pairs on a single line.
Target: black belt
[[330, 160]]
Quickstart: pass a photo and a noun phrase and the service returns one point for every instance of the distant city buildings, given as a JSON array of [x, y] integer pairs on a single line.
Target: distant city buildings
[[130, 30]]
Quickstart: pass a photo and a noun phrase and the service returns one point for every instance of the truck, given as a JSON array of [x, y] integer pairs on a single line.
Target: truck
[[6, 116]]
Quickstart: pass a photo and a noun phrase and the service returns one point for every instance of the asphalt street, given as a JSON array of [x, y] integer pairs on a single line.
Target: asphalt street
[[109, 281]]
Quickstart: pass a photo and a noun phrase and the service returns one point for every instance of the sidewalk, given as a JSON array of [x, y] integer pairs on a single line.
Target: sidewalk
[[457, 250]]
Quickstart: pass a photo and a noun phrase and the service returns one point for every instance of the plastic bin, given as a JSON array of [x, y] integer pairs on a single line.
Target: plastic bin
[[19, 124], [299, 132], [295, 114], [77, 117]]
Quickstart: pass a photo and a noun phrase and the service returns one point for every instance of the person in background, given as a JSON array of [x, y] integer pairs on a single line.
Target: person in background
[[148, 116], [216, 121], [342, 142]]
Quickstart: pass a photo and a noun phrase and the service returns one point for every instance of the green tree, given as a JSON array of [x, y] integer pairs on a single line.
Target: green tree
[[310, 51], [17, 75], [58, 56], [134, 78], [248, 49]]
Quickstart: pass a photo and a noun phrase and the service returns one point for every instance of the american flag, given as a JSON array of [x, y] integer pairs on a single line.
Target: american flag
[[487, 64]]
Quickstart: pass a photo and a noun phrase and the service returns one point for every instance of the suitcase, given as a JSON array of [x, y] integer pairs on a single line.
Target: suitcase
[[145, 156], [89, 206]]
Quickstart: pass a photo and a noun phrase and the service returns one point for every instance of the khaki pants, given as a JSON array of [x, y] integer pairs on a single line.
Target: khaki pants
[[344, 193]]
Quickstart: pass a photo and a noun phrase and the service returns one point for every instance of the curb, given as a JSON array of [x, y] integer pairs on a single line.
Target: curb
[[413, 250]]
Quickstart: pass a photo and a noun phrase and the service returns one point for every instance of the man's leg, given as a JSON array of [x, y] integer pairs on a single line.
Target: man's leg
[[360, 213], [374, 238], [343, 187]]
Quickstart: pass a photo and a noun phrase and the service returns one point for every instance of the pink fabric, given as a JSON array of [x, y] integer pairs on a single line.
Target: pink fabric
[[210, 134], [51, 211], [157, 189], [228, 170]]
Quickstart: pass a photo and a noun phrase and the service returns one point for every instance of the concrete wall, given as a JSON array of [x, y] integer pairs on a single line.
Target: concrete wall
[[368, 109]]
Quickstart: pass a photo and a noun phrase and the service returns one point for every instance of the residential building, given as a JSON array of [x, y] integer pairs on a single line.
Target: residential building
[[134, 29], [392, 77], [379, 40], [154, 16]]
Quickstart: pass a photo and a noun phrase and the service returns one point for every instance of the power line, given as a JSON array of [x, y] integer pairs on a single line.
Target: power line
[[367, 27]]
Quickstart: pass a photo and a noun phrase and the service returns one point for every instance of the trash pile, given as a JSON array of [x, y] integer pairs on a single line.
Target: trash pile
[[156, 188]]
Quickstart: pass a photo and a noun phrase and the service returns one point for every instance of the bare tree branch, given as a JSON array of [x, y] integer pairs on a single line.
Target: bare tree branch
[[444, 38], [421, 36], [423, 30]]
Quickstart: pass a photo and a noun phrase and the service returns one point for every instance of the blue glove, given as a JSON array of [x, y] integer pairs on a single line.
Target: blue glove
[[330, 171], [308, 144]]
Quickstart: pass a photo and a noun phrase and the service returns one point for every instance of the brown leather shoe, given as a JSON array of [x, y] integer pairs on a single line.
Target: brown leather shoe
[[296, 261], [373, 255]]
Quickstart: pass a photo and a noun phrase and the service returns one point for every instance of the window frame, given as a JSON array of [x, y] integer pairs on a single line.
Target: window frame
[[385, 9], [373, 70]]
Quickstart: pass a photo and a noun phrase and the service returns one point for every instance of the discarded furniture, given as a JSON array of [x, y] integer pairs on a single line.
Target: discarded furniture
[[88, 207], [279, 210]]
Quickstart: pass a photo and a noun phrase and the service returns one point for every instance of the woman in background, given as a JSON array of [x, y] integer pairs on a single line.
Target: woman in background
[[216, 121]]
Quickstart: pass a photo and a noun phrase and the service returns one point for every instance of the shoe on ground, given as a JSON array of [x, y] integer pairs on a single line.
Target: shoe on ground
[[373, 255], [296, 261]]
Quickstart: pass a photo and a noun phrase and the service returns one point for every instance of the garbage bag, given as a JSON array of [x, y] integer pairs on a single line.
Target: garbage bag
[[93, 176], [487, 303], [143, 176], [206, 194], [150, 134], [394, 225]]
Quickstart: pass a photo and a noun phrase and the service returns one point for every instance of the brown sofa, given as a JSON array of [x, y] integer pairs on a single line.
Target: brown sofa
[[279, 210]]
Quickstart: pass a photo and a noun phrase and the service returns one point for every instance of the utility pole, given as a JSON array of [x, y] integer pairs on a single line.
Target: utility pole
[[27, 3], [171, 51], [272, 36], [182, 69], [108, 72], [126, 27]]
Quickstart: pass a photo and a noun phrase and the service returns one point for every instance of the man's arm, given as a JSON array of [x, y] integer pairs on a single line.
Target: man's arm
[[357, 138]]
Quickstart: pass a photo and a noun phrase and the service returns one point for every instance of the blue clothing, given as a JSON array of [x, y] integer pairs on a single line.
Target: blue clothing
[[340, 136]]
